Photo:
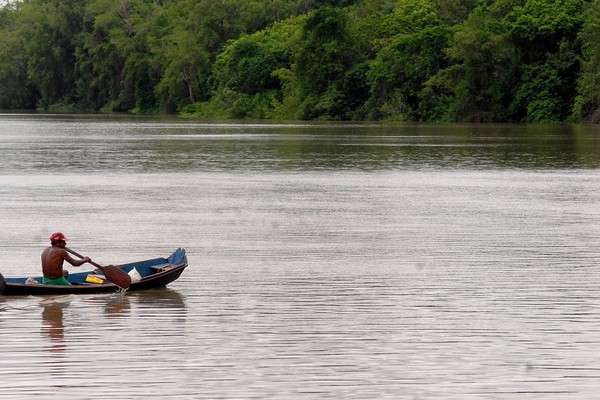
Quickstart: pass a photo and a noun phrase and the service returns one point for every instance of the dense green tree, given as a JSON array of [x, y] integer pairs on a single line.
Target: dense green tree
[[546, 91], [587, 103], [482, 77], [49, 33], [246, 76], [247, 66], [197, 31], [514, 60], [453, 12], [16, 91], [101, 58], [400, 18], [538, 26], [325, 53], [406, 60], [400, 71], [544, 32]]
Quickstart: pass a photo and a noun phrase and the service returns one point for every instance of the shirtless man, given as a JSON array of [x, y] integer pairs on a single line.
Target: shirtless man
[[52, 261]]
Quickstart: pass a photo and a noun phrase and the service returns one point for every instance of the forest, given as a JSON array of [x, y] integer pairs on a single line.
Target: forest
[[523, 61]]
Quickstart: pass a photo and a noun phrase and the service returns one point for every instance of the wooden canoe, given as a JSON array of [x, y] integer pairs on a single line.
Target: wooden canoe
[[153, 273]]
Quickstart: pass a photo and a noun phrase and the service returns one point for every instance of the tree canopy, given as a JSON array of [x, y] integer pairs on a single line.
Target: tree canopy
[[418, 60]]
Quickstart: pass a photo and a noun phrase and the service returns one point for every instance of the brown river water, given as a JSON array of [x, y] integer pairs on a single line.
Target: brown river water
[[327, 260]]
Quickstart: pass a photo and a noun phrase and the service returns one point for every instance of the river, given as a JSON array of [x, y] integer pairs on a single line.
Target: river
[[327, 260]]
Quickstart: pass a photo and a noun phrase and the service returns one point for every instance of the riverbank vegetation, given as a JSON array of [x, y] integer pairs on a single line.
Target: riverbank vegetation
[[419, 60]]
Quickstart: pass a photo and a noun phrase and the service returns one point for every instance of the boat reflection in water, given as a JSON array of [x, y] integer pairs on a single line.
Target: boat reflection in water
[[75, 323], [80, 333]]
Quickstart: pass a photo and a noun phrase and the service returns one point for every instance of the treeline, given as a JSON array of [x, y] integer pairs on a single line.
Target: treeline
[[419, 60]]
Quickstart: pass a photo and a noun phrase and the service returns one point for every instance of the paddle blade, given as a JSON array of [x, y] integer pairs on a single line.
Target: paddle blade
[[117, 276]]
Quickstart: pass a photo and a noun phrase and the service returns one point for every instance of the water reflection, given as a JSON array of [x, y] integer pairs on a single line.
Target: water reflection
[[118, 305], [147, 145], [159, 298], [163, 304], [370, 147], [53, 326]]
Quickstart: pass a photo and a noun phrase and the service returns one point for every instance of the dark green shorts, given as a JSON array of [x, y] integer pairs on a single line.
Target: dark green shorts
[[57, 281]]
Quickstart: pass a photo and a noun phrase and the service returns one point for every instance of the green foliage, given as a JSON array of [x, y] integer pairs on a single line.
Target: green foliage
[[484, 70], [100, 58], [405, 17], [544, 87], [399, 72], [184, 65], [545, 19], [516, 61], [437, 99], [47, 35], [453, 12], [247, 70], [247, 66], [16, 91], [428, 60], [288, 108], [355, 92], [545, 34], [587, 102], [325, 53]]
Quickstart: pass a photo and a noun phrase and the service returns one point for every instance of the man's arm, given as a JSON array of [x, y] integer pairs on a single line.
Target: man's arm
[[75, 262]]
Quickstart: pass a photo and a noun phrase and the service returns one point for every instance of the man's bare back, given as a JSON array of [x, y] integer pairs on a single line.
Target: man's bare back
[[52, 262], [53, 258]]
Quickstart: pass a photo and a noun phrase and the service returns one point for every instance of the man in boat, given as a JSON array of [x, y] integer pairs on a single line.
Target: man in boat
[[53, 258]]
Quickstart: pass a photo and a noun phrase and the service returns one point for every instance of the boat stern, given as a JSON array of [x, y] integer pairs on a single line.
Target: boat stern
[[178, 257], [2, 284]]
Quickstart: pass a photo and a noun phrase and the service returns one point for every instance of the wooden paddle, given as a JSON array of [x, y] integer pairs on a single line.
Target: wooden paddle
[[112, 273]]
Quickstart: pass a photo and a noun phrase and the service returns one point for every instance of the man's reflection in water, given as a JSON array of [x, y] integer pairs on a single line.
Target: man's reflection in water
[[53, 327]]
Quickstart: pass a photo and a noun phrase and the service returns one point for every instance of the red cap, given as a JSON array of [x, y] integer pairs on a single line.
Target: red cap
[[58, 236]]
